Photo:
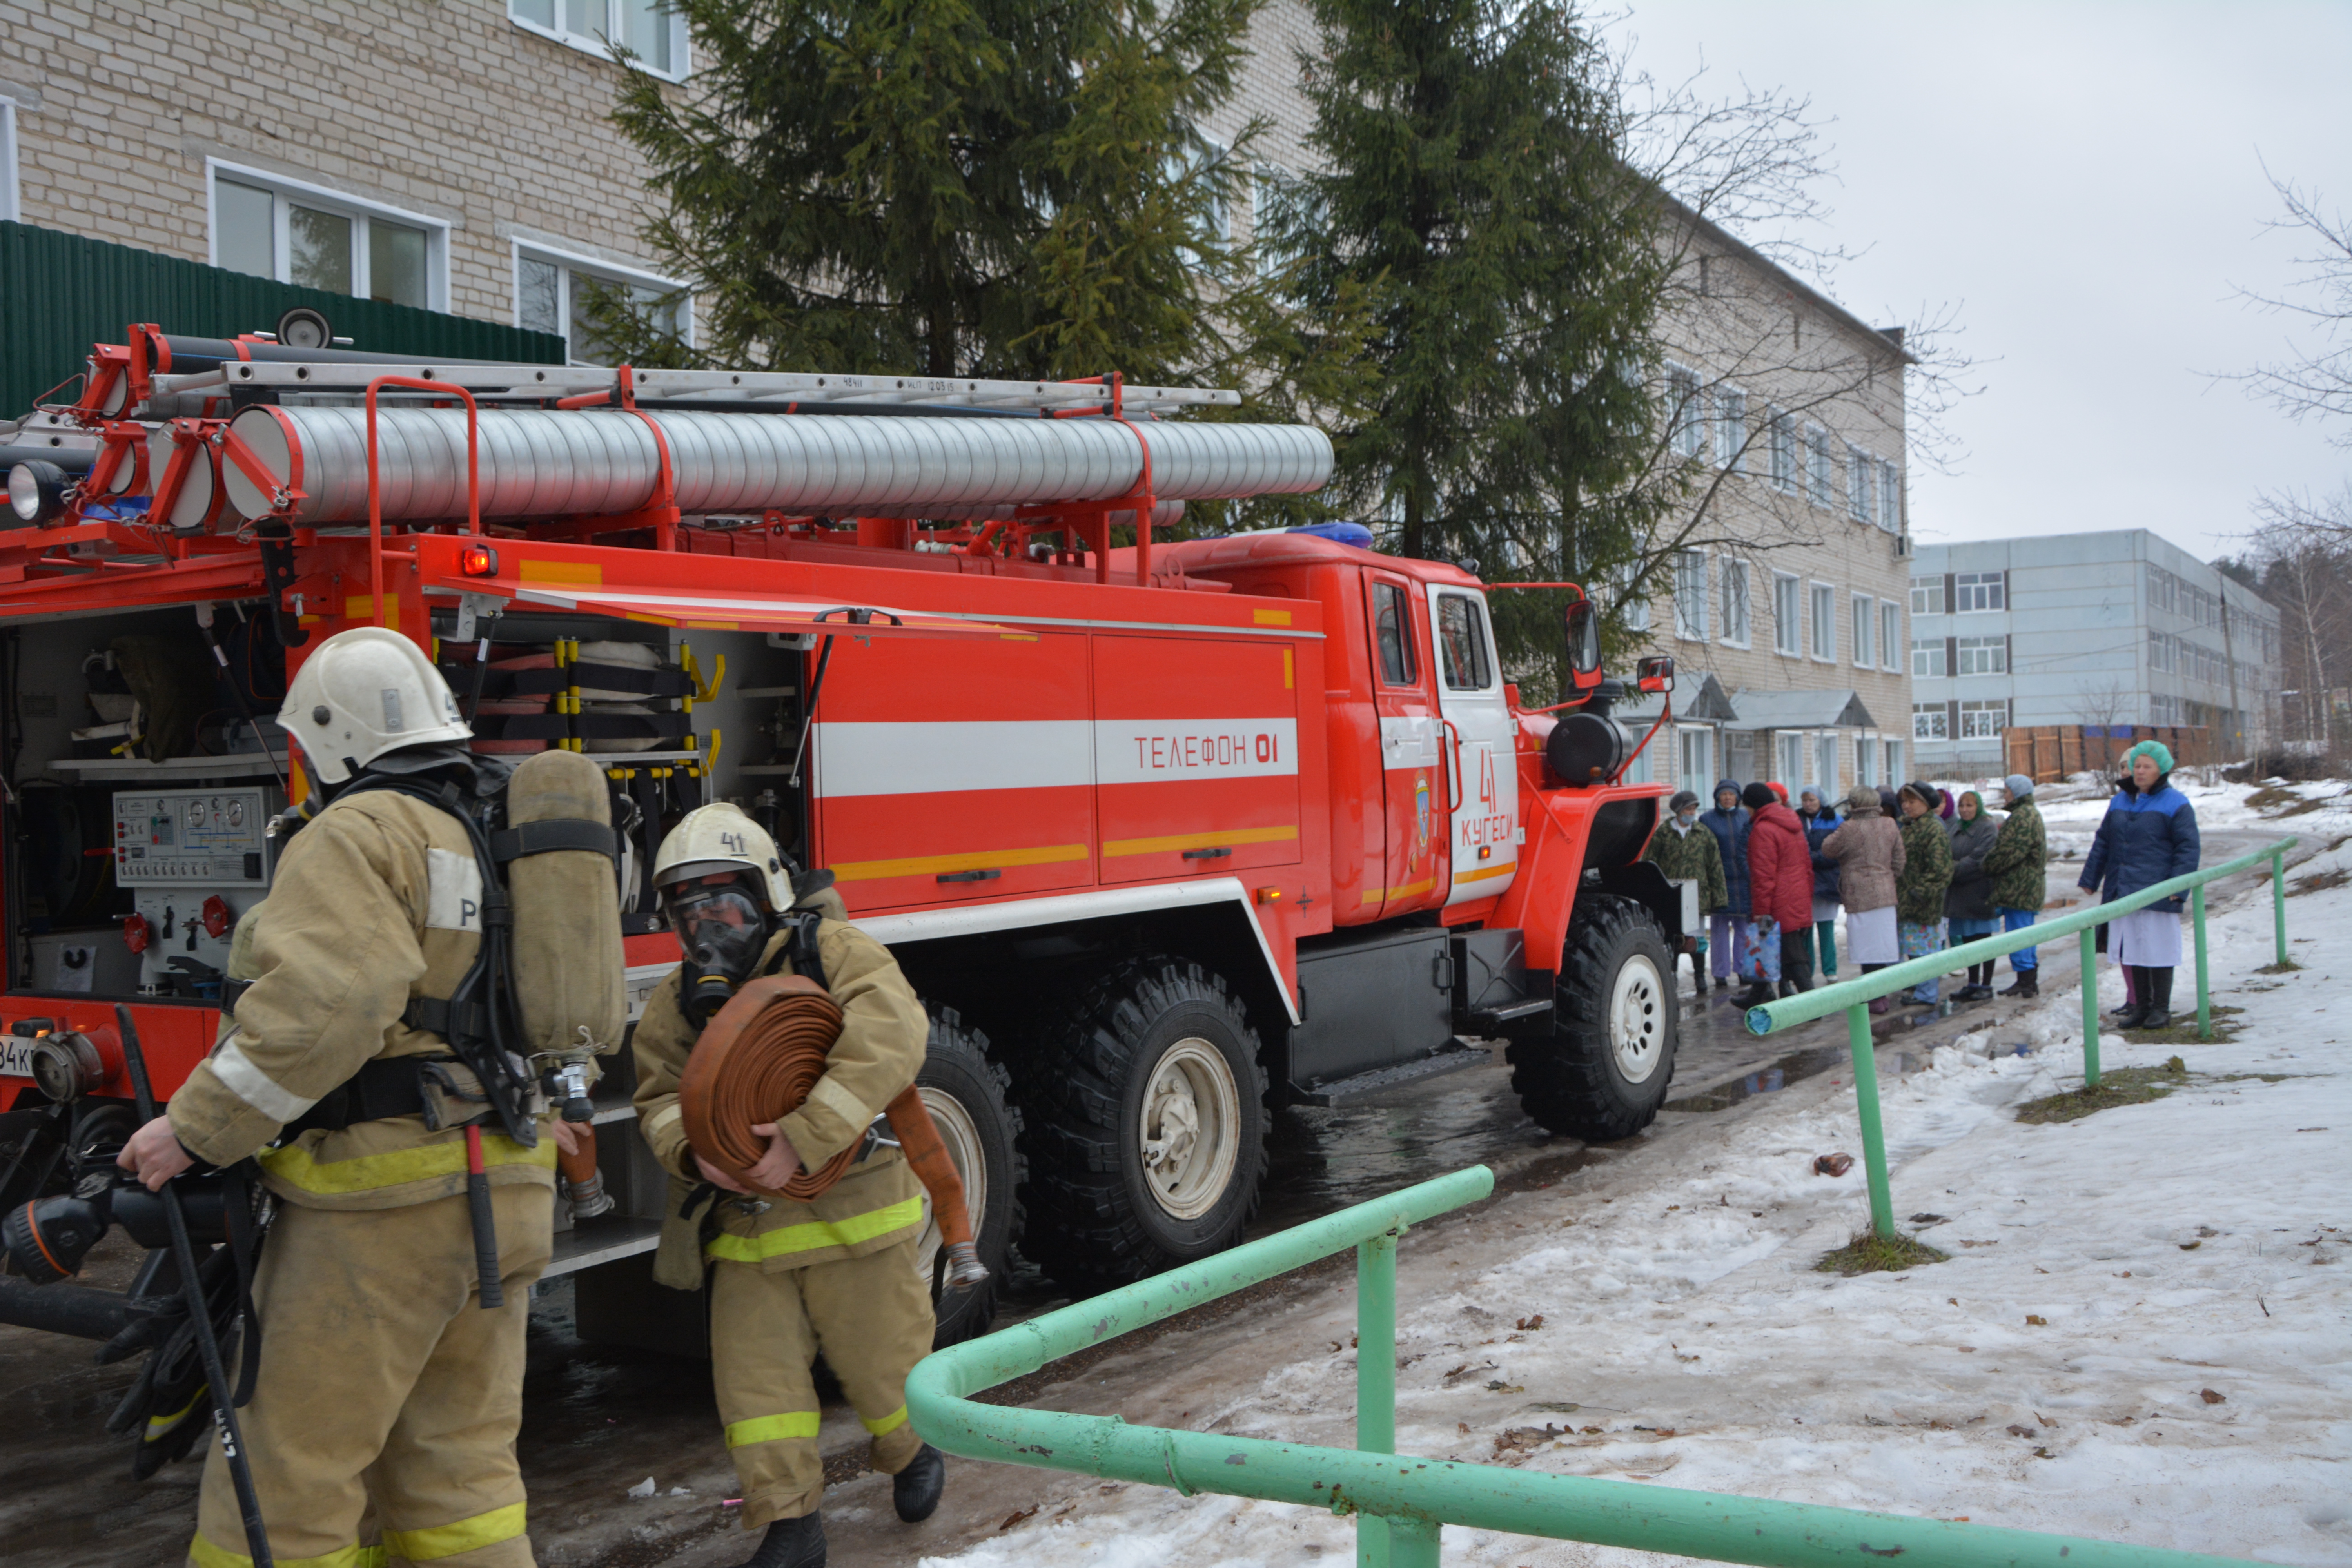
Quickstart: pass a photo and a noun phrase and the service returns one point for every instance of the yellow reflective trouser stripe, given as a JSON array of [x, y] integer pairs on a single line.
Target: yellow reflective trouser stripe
[[772, 1429], [159, 1425], [448, 1540], [814, 1235], [207, 1555], [293, 1164], [890, 1422]]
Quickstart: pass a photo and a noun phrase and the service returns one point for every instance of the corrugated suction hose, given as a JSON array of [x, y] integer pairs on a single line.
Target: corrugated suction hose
[[756, 1062]]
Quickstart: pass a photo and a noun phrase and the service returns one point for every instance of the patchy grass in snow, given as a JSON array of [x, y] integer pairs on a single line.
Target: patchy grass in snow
[[2119, 1086], [1871, 1253], [2318, 882], [2289, 967], [2182, 1030]]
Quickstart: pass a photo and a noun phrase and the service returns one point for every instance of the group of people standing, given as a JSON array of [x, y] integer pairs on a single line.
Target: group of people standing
[[1908, 868], [1917, 871]]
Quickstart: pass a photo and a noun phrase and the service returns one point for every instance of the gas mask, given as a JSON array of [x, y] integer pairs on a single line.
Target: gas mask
[[724, 930]]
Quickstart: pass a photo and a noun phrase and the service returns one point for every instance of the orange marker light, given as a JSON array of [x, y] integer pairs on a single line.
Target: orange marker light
[[477, 560], [1269, 895]]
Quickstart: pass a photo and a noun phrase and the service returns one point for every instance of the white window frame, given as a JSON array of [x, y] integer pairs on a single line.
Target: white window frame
[[1689, 738], [1926, 653], [1785, 467], [1894, 748], [1861, 485], [1819, 471], [1686, 627], [12, 208], [1686, 412], [1730, 425], [680, 39], [1788, 759], [1923, 586], [1981, 580], [1787, 624], [1825, 766], [571, 261], [1866, 759], [1823, 645], [1738, 605], [1890, 635], [324, 198], [1993, 652], [1978, 708], [1865, 614], [1890, 496]]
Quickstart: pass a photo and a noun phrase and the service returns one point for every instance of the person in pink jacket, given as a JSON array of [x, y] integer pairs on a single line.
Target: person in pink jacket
[[1781, 898]]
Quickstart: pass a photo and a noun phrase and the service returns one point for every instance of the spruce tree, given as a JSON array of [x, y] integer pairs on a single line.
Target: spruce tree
[[1475, 188]]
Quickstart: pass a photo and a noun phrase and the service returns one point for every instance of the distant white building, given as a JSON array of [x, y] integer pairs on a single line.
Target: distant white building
[[2104, 629]]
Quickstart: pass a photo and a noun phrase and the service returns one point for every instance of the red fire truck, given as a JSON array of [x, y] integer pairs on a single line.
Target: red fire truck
[[1166, 834]]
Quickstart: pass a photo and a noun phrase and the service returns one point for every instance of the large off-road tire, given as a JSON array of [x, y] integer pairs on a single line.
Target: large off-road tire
[[966, 1096], [1146, 1124], [1603, 1075]]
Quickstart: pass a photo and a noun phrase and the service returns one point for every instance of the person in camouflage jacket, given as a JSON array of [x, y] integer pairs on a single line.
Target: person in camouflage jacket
[[1685, 852], [2020, 863], [1925, 878]]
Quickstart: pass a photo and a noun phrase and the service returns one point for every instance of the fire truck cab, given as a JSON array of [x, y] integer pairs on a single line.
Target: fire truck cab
[[1166, 837]]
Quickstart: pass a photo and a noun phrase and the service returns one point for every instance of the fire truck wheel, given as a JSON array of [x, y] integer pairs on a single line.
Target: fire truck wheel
[[1147, 1124], [965, 1094], [1604, 1074]]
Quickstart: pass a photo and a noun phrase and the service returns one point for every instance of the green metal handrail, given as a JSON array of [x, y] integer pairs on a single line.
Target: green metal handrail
[[1400, 1504], [1854, 997]]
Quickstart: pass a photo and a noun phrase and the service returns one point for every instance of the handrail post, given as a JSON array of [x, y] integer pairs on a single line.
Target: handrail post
[[1874, 1136], [1412, 1542], [2204, 991], [1375, 1378], [2278, 900], [2090, 1007]]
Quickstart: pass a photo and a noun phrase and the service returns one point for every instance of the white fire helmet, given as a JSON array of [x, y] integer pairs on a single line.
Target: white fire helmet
[[716, 838], [364, 693]]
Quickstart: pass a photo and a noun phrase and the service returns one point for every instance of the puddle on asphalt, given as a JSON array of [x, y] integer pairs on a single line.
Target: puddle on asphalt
[[1794, 1067]]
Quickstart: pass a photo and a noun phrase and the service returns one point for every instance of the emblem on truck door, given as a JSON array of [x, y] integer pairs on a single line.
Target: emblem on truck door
[[1421, 812]]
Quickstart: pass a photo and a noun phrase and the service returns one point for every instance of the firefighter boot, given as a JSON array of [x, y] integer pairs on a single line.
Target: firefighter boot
[[791, 1543], [915, 1490]]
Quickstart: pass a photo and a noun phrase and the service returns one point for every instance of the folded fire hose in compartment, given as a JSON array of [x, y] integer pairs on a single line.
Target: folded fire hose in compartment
[[756, 1062]]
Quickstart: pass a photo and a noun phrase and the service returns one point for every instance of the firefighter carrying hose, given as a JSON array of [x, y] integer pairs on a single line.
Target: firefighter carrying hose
[[840, 1273], [414, 1180]]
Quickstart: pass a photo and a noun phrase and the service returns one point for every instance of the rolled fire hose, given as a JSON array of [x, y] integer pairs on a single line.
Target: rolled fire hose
[[757, 1061]]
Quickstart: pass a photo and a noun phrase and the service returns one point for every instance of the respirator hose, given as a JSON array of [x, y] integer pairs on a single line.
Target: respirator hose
[[756, 1062]]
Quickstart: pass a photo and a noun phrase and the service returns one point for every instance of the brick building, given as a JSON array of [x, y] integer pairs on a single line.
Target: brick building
[[453, 155]]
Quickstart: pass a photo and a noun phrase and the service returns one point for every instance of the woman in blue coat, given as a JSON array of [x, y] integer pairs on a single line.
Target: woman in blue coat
[[1727, 927], [2149, 835]]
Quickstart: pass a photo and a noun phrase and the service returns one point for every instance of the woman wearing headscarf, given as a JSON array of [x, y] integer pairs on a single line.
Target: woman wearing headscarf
[[1967, 907], [1820, 822], [1726, 924], [1685, 852], [1868, 849], [1927, 877], [1780, 895], [2149, 835]]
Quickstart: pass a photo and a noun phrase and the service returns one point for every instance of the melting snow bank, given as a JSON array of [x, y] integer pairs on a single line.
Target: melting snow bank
[[2140, 1336]]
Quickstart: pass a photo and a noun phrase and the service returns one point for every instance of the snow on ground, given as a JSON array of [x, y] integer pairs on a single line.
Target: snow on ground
[[2072, 813], [2104, 1275]]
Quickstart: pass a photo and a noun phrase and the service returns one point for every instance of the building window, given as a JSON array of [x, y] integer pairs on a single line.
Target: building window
[[1893, 762], [1825, 622], [1780, 434], [1697, 760], [1890, 499], [1983, 721], [275, 227], [1865, 761], [1787, 614], [1862, 486], [1690, 595], [9, 209], [1633, 603], [2159, 653], [1736, 628], [1864, 627], [1890, 635], [1975, 591], [1927, 595], [553, 291], [1981, 655], [1792, 760], [650, 29], [1825, 774], [1928, 722], [1462, 653], [1927, 658], [1687, 410], [1730, 429], [1821, 478]]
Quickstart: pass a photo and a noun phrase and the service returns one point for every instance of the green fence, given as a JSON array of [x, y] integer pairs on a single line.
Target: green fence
[[59, 293], [1854, 997], [1399, 1503]]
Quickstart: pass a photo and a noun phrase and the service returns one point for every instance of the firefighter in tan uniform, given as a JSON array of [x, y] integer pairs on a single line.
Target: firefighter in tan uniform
[[840, 1274], [382, 1381]]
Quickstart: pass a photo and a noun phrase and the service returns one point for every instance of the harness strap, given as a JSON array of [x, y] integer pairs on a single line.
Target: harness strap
[[552, 836], [386, 1087]]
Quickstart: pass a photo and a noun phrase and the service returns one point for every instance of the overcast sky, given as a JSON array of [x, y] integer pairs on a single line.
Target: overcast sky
[[2086, 184]]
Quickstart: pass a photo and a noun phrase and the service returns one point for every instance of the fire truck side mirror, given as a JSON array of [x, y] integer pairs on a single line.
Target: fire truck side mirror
[[1656, 672], [1584, 629]]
